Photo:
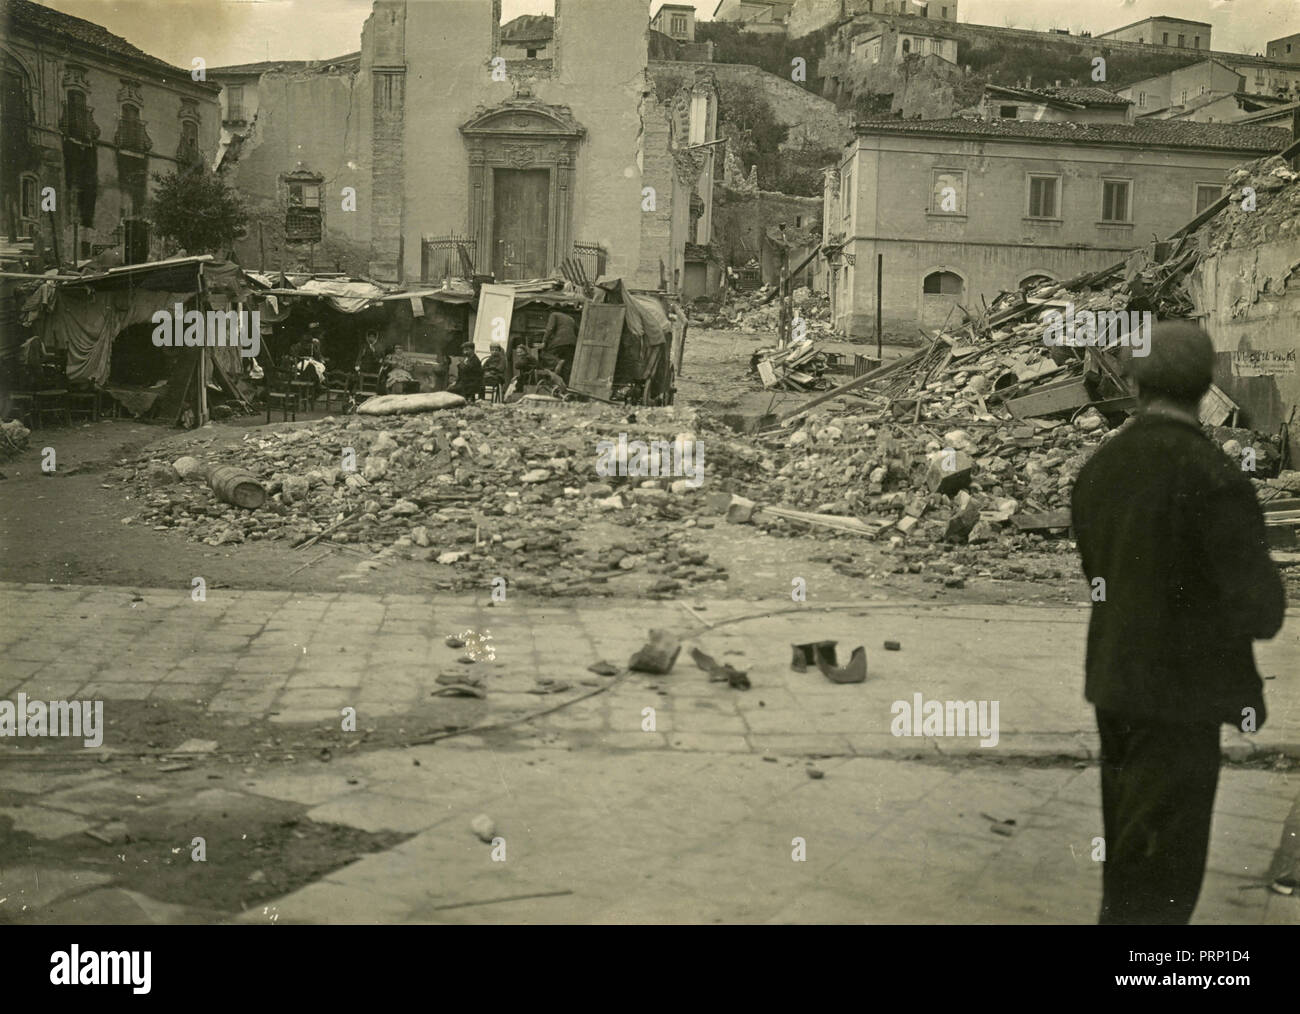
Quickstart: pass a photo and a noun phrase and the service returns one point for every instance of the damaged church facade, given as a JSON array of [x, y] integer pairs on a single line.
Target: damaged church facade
[[443, 146]]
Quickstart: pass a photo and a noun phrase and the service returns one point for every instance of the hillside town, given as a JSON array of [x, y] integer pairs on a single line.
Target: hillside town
[[418, 464]]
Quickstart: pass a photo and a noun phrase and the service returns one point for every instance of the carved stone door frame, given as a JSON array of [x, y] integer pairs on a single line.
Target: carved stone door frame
[[521, 134]]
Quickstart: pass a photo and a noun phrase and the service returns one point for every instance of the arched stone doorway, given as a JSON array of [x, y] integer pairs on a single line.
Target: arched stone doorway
[[522, 158]]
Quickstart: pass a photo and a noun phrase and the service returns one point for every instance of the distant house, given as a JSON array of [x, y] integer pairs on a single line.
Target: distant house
[[961, 209], [1285, 49], [1176, 33], [1068, 103], [677, 21], [1170, 93], [893, 45], [755, 15]]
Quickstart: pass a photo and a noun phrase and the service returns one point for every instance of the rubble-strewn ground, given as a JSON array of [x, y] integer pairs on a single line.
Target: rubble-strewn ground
[[586, 798]]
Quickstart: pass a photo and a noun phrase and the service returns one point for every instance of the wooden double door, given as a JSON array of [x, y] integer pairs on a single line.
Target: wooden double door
[[521, 218]]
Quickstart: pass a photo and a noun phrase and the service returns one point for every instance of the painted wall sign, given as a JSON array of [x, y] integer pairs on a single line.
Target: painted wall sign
[[1263, 362]]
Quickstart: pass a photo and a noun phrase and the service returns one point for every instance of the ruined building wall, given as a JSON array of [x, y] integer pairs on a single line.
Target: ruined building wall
[[430, 65], [309, 120]]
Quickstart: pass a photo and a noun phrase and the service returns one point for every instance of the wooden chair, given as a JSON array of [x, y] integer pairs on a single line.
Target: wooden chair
[[22, 406], [84, 403], [369, 384], [52, 402], [280, 392]]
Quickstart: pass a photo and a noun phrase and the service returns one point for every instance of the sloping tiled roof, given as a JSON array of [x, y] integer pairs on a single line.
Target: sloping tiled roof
[[1087, 95], [1065, 96], [1146, 133], [529, 28], [282, 65], [47, 22]]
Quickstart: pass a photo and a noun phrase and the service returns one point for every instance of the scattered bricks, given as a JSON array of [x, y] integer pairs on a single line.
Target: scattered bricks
[[658, 654], [906, 524], [949, 473], [535, 475], [916, 507]]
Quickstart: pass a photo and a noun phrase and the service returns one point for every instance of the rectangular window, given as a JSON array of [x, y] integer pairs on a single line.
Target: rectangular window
[[1008, 112], [1184, 97], [1164, 39], [1043, 202], [1142, 100], [1182, 41], [679, 24], [948, 192], [1196, 42], [1114, 201], [29, 203], [846, 194], [234, 102], [1207, 194]]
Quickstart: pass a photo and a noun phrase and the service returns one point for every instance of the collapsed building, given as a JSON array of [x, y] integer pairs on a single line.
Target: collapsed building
[[454, 145]]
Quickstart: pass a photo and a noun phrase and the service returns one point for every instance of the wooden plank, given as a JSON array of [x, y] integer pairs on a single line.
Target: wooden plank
[[855, 383], [495, 302], [1058, 398], [596, 353], [1048, 519]]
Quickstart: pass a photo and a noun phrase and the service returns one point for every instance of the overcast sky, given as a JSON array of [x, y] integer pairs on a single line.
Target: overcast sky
[[244, 31]]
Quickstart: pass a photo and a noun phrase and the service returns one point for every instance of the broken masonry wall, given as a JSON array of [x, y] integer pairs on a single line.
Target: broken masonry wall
[[1250, 298], [599, 74], [993, 246], [383, 98], [308, 119], [658, 256], [812, 120], [808, 16]]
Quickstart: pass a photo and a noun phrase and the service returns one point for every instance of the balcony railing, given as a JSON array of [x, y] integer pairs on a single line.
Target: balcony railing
[[592, 257], [441, 258], [78, 123], [132, 135], [302, 225]]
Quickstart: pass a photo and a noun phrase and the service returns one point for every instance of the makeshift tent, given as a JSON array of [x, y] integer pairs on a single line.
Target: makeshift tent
[[643, 347], [85, 316]]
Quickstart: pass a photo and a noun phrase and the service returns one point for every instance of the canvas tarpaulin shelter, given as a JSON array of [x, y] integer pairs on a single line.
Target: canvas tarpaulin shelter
[[86, 316], [643, 348]]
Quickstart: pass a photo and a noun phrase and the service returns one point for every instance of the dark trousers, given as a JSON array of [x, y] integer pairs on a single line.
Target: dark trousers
[[1157, 796]]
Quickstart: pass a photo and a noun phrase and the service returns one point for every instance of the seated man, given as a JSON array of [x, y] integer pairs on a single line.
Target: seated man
[[494, 370], [469, 376]]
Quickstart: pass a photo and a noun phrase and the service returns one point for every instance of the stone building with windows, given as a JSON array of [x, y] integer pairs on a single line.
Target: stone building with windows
[[962, 209], [88, 120], [443, 140]]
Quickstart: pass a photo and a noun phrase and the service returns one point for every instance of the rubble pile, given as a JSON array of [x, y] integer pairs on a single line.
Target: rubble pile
[[797, 368], [976, 441], [760, 310], [482, 493], [1277, 206]]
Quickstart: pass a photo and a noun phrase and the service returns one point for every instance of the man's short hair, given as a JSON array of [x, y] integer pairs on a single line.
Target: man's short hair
[[1181, 363]]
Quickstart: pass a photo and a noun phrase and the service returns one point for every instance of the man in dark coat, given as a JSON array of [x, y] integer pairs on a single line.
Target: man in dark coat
[[561, 340], [1174, 548], [469, 375]]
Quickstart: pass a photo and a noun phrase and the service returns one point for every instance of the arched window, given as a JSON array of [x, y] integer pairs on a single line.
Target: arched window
[[943, 283], [1034, 281]]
